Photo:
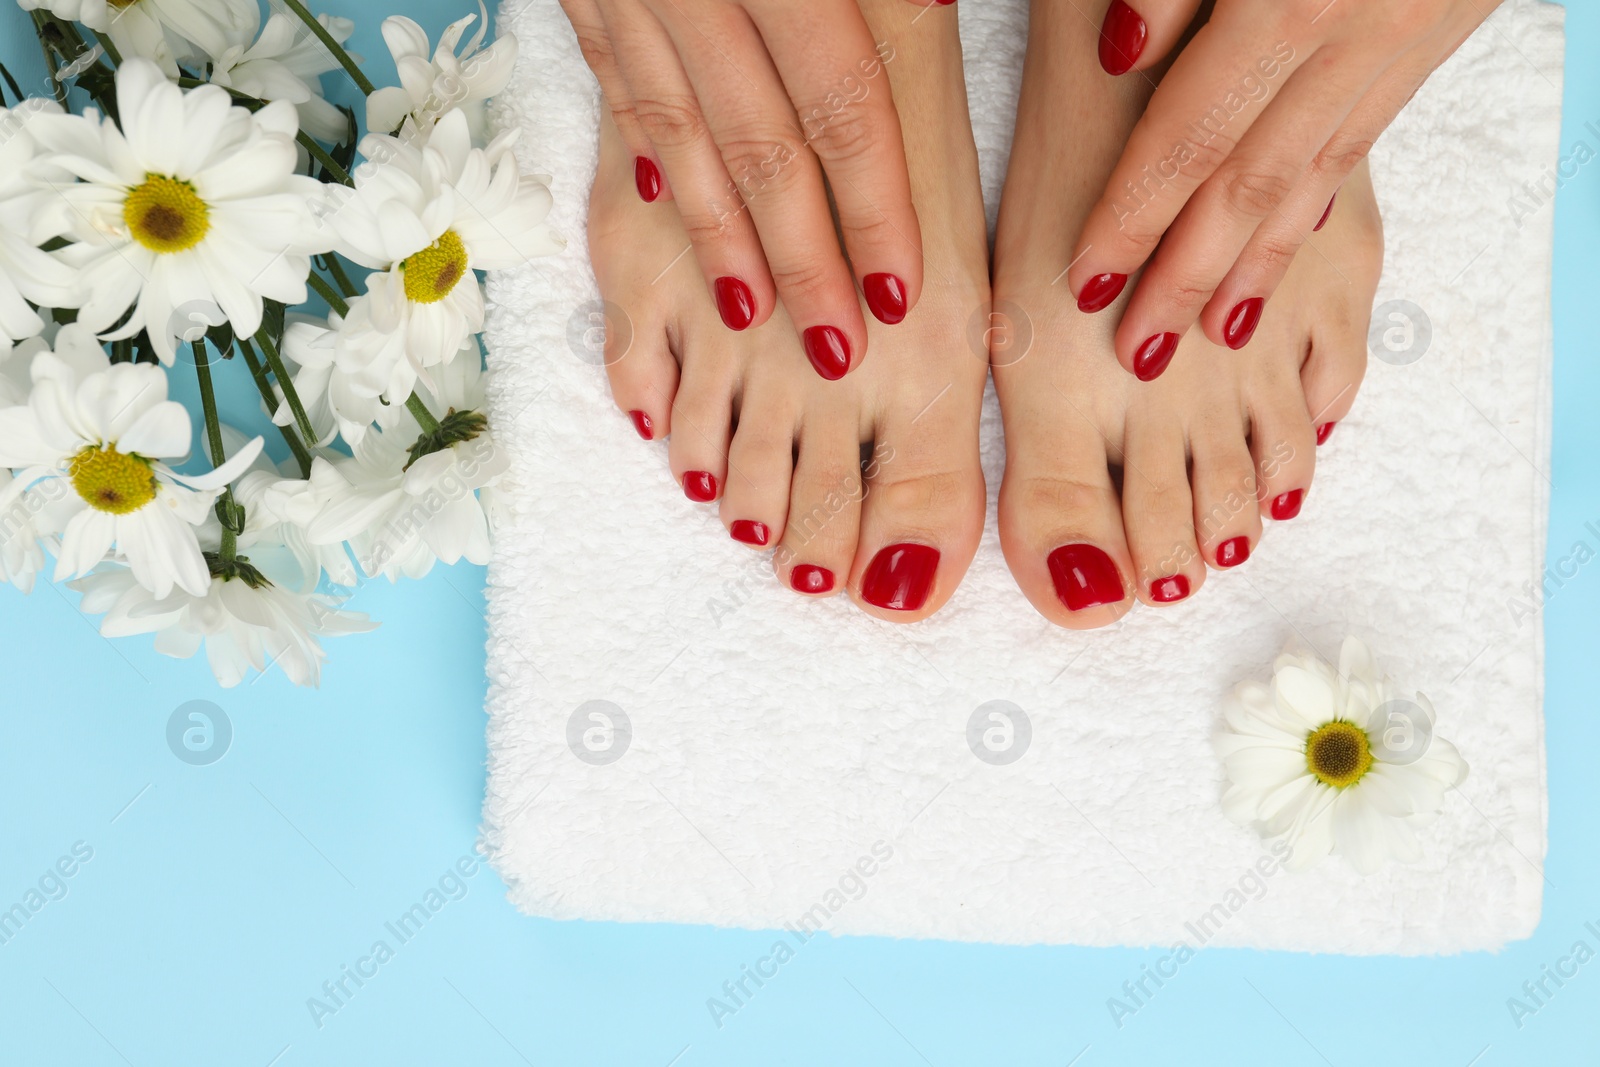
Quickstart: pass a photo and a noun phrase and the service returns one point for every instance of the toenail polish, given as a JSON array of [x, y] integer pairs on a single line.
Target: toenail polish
[[1122, 38], [1084, 576], [1233, 551], [642, 423], [900, 577], [1099, 291], [1323, 221], [1154, 355], [809, 578], [828, 350], [700, 486], [1242, 321], [1324, 432], [886, 296], [1169, 590], [749, 532], [647, 176], [735, 303], [1287, 505]]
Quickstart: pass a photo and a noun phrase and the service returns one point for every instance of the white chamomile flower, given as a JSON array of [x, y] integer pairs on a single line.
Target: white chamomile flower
[[21, 547], [27, 272], [430, 88], [336, 382], [163, 31], [1335, 761], [286, 63], [193, 203], [102, 430]]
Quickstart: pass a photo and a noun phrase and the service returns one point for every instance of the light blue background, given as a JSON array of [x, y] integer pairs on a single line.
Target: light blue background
[[219, 898]]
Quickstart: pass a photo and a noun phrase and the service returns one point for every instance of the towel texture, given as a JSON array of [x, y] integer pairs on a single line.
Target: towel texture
[[674, 737]]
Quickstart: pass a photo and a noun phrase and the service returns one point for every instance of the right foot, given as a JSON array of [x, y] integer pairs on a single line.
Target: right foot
[[869, 484]]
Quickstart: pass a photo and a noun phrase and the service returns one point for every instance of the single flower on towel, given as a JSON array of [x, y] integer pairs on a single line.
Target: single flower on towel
[[430, 88], [1334, 761]]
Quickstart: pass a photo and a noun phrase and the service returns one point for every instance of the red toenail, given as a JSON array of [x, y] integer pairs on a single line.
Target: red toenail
[[809, 578], [735, 303], [1242, 321], [1233, 551], [1122, 38], [642, 423], [900, 577], [1084, 576], [1168, 590], [886, 296], [1287, 505], [700, 486], [647, 177], [828, 350], [1154, 355], [1099, 291], [750, 533], [1323, 221], [1324, 432]]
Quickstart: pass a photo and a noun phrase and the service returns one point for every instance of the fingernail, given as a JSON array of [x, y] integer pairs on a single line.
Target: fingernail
[[642, 423], [1122, 38], [1084, 576], [1172, 588], [809, 578], [1323, 221], [1099, 291], [749, 532], [647, 176], [1153, 356], [735, 303], [900, 576], [700, 486], [1233, 551], [886, 296], [1324, 432], [946, 3], [1242, 321], [1287, 505], [828, 351]]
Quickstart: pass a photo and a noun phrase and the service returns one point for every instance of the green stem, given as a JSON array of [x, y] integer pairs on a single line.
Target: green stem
[[226, 508], [335, 268], [111, 49], [420, 412], [52, 61], [333, 47], [275, 364], [258, 373], [324, 290]]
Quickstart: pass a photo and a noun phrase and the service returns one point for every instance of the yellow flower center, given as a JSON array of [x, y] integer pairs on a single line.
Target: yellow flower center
[[165, 214], [1338, 753], [118, 482], [434, 271]]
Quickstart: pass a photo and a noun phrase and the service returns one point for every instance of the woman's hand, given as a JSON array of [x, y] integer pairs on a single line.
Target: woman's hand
[[737, 109], [1243, 147]]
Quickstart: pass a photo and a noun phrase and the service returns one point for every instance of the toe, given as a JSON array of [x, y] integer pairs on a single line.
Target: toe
[[1283, 444], [1227, 520], [642, 372], [755, 500], [702, 413], [819, 536], [1158, 513], [1333, 371]]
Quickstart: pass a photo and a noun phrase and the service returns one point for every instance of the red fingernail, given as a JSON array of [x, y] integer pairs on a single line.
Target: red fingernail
[[700, 486], [886, 296], [749, 532], [1168, 590], [647, 177], [1323, 221], [1233, 551], [1099, 291], [1122, 38], [900, 576], [809, 578], [828, 351], [946, 3], [735, 303], [1084, 576], [1287, 505], [1242, 321], [1153, 356], [1324, 432], [642, 423]]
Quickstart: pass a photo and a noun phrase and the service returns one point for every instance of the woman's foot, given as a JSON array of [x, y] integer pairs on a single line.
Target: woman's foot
[[870, 483], [1118, 489]]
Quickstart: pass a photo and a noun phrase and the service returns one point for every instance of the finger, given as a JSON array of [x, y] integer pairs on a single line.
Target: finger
[[720, 230], [1137, 37], [839, 82], [777, 176], [595, 43]]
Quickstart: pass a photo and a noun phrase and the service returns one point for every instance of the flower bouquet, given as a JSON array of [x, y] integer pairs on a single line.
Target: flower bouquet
[[182, 189]]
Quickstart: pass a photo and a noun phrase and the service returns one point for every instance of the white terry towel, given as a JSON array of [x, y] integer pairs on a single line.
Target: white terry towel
[[766, 753]]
